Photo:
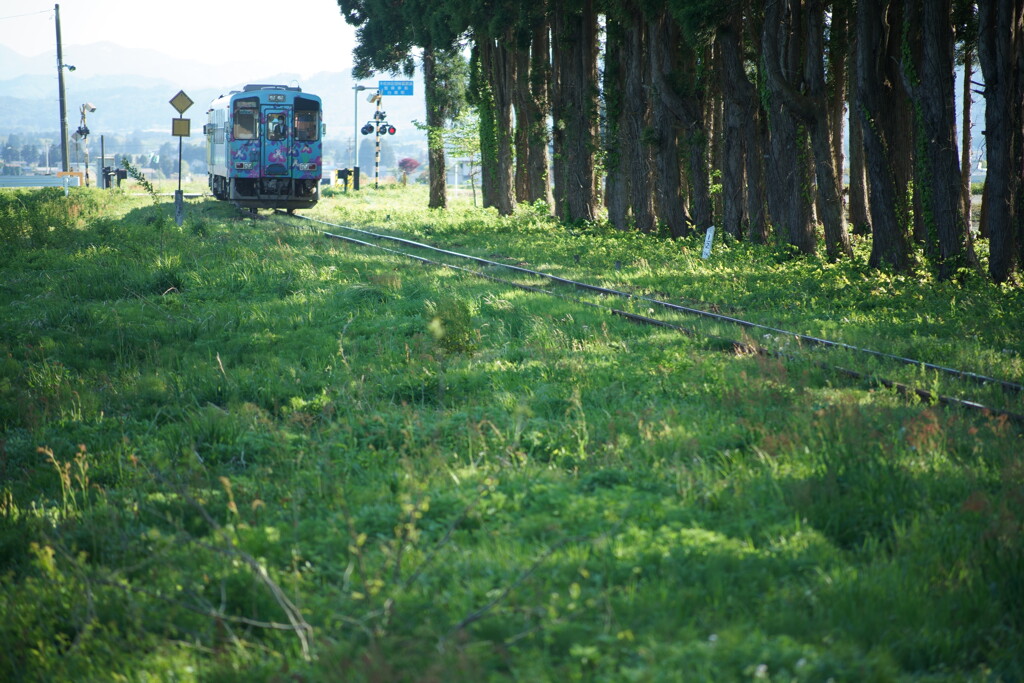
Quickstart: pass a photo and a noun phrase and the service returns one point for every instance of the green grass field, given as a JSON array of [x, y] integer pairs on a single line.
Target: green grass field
[[239, 451]]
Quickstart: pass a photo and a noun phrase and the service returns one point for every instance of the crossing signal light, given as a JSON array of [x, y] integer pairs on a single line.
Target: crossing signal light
[[367, 129], [391, 130], [383, 129]]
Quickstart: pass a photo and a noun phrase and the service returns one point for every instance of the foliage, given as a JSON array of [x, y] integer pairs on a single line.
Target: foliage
[[265, 455], [408, 165]]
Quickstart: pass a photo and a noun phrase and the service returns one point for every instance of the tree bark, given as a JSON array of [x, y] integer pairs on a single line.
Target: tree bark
[[484, 97], [437, 172], [858, 197], [810, 108], [737, 118], [635, 152], [503, 78], [1000, 36], [965, 135], [664, 55], [789, 189], [574, 110], [520, 95], [889, 240], [944, 218], [615, 192], [838, 56], [538, 106]]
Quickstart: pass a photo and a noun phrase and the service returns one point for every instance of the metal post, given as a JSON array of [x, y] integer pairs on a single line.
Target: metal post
[[63, 103], [356, 89], [103, 162], [179, 201], [355, 125], [376, 157]]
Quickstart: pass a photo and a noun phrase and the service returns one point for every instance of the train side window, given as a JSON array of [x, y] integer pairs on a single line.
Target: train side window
[[245, 124]]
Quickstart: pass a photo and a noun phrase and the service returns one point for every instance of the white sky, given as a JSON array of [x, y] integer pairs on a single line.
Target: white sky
[[299, 36]]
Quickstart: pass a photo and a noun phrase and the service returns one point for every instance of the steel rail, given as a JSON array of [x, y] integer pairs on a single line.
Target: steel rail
[[817, 341], [900, 388]]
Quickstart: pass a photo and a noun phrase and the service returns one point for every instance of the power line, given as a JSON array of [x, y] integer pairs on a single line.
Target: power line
[[30, 14]]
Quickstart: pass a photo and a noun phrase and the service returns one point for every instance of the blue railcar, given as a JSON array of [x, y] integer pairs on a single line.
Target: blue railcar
[[264, 147]]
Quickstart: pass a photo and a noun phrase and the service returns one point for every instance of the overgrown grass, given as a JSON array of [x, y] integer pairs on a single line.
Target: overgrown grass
[[245, 452]]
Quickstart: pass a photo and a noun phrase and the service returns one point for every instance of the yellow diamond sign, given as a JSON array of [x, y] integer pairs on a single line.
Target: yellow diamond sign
[[181, 101]]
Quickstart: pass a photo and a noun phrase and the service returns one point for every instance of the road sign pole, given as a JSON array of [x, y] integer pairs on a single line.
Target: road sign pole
[[181, 128]]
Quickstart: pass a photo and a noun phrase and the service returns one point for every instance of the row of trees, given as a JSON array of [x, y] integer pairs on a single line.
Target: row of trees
[[652, 100]]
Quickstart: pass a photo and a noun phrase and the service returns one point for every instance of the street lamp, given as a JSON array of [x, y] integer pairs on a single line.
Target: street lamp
[[355, 128]]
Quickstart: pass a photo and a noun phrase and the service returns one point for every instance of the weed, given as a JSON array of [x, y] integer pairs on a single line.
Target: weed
[[307, 460]]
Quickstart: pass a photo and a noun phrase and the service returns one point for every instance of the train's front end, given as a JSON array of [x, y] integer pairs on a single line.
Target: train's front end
[[272, 148]]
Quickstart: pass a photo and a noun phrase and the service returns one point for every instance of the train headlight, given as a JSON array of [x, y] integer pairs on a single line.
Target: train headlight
[[243, 165], [307, 167]]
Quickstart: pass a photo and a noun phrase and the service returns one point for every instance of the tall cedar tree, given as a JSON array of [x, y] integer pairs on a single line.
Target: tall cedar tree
[[803, 96], [948, 238], [574, 108], [876, 84], [1001, 53]]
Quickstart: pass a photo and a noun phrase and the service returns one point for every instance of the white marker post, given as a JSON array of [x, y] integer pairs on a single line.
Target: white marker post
[[708, 240]]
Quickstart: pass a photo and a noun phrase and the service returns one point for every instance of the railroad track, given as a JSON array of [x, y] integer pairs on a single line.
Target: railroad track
[[374, 240]]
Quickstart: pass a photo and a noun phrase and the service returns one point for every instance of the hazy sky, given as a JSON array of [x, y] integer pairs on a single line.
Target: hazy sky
[[301, 36]]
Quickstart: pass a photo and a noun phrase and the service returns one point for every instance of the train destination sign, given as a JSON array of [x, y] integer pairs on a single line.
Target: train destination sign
[[395, 87], [181, 101]]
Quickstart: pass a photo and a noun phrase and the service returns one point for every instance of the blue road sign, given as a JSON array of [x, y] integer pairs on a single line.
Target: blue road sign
[[395, 87]]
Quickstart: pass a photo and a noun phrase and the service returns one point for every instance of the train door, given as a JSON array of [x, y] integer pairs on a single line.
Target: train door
[[276, 154]]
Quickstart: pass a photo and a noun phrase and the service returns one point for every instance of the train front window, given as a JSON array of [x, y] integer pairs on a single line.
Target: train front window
[[245, 119], [307, 118], [306, 127], [277, 127]]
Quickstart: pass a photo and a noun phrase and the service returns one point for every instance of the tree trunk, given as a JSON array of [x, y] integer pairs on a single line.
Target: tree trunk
[[615, 192], [538, 106], [737, 118], [635, 157], [484, 96], [714, 117], [828, 176], [838, 53], [435, 143], [503, 78], [812, 107], [756, 143], [789, 193], [664, 54], [520, 95], [1000, 36], [965, 136], [941, 190], [889, 240], [574, 110], [858, 198]]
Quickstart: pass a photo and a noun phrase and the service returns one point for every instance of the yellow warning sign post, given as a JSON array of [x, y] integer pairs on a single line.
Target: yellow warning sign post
[[180, 128]]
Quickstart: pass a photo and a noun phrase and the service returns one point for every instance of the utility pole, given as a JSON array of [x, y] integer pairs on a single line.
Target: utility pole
[[63, 103]]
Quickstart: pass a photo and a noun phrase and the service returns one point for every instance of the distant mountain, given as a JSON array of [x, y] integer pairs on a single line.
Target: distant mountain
[[131, 89]]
